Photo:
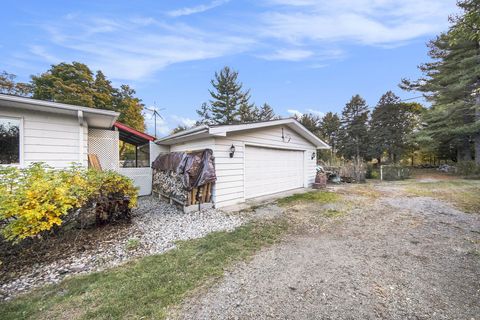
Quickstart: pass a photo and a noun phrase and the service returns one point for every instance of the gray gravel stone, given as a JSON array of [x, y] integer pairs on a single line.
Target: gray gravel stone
[[155, 225]]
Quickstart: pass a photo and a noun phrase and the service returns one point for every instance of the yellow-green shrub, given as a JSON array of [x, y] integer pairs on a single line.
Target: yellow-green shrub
[[37, 198]]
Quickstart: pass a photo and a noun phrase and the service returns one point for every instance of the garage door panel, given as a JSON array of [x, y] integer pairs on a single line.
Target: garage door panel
[[270, 170]]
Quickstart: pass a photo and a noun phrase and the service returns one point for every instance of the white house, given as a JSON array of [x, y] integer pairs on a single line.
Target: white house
[[253, 159], [60, 134]]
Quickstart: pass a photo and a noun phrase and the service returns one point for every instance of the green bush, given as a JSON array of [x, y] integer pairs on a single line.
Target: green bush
[[395, 172], [372, 172], [468, 168], [38, 198]]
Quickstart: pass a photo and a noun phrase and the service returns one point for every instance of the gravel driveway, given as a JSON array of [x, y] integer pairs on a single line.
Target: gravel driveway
[[394, 258]]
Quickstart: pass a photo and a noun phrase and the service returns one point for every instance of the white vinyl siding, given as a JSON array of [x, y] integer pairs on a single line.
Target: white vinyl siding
[[51, 138], [230, 186], [194, 145]]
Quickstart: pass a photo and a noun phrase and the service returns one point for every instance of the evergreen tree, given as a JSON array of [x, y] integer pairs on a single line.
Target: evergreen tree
[[247, 113], [391, 125], [353, 138], [204, 114], [311, 122], [451, 83], [179, 128], [266, 113], [330, 129], [227, 97]]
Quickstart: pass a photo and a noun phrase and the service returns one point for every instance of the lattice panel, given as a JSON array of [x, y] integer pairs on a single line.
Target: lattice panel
[[142, 178], [104, 143]]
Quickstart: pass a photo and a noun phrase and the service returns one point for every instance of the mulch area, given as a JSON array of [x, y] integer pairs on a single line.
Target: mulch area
[[53, 247]]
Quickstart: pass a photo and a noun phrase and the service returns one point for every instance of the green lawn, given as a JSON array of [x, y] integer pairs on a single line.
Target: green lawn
[[320, 197], [145, 288]]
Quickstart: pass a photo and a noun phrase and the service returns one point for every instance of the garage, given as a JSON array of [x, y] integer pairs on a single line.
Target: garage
[[252, 159], [270, 170]]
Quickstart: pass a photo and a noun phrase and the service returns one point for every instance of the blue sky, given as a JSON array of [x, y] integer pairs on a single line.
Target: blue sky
[[297, 55]]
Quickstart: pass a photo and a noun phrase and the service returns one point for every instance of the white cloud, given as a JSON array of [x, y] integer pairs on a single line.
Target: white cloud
[[316, 112], [366, 22], [197, 9], [300, 113], [295, 112], [288, 55], [184, 121], [162, 127], [135, 47], [135, 52], [42, 53]]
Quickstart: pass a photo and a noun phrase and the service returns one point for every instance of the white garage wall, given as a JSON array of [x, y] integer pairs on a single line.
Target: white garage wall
[[230, 171], [56, 139]]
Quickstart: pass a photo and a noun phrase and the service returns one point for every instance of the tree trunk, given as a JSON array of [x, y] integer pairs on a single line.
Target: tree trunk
[[476, 136], [463, 151]]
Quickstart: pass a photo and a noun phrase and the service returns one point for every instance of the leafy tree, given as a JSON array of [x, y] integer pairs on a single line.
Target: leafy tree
[[8, 85], [130, 108], [330, 129], [76, 84], [66, 83], [104, 94], [451, 83], [353, 138]]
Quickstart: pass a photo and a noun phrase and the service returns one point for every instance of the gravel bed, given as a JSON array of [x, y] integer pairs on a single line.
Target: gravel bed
[[154, 229], [395, 258]]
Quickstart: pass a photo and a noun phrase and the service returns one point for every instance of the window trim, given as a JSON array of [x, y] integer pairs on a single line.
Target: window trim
[[21, 142]]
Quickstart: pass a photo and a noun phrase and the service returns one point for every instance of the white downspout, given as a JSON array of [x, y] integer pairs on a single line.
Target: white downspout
[[81, 122]]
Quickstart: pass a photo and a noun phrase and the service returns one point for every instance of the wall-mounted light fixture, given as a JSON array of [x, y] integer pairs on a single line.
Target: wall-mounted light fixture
[[232, 151], [313, 155]]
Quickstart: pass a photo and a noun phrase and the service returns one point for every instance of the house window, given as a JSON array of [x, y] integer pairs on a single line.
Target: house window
[[9, 140]]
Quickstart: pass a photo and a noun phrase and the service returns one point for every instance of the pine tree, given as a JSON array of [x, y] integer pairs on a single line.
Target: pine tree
[[330, 129], [451, 83], [266, 113], [353, 139], [391, 125], [311, 122], [227, 97], [247, 113], [204, 114]]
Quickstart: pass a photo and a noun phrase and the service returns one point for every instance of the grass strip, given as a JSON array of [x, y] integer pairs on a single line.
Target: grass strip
[[321, 197], [145, 288], [465, 194]]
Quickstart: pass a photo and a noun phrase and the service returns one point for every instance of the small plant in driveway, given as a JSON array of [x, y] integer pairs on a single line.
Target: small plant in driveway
[[133, 244]]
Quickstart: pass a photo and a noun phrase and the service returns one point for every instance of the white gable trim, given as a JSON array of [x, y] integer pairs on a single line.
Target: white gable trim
[[223, 130]]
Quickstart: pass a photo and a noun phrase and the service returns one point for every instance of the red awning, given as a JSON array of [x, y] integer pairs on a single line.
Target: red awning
[[131, 135]]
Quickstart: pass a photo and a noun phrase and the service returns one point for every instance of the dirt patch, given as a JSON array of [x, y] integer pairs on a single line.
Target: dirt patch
[[395, 257]]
